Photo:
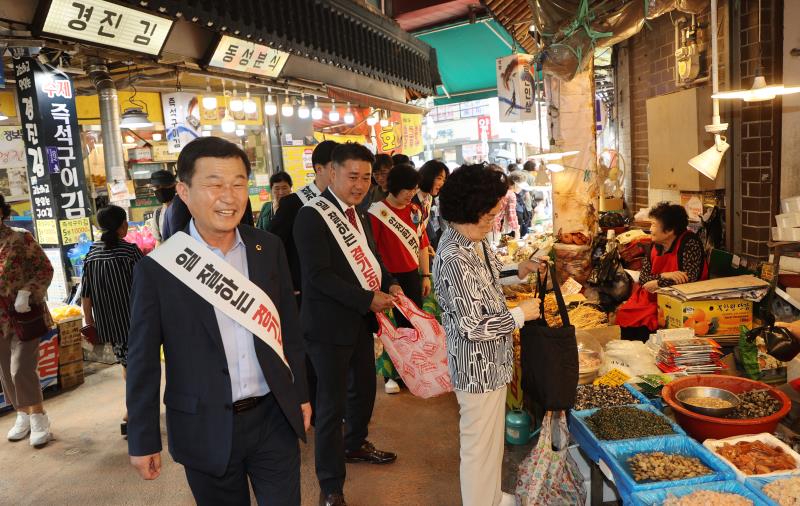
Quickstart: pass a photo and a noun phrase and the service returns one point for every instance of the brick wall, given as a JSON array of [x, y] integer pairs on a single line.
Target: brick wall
[[759, 153]]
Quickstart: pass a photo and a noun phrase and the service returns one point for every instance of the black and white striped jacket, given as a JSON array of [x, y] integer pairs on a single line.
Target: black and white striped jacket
[[478, 324]]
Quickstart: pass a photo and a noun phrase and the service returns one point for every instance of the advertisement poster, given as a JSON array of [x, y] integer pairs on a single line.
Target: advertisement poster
[[515, 88], [71, 230], [57, 291], [403, 135], [297, 162], [181, 119]]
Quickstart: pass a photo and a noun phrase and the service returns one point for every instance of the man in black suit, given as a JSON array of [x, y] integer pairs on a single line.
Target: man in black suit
[[234, 409], [338, 316]]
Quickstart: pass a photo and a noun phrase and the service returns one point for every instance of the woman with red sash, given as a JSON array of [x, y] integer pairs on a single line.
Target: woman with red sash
[[677, 256], [410, 269]]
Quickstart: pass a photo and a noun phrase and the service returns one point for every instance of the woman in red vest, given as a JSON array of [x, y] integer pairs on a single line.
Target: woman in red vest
[[677, 256]]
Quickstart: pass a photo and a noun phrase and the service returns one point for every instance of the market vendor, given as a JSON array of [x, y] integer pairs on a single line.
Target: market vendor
[[676, 256]]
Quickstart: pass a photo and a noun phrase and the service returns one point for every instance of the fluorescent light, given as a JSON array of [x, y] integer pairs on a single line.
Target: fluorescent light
[[316, 112], [349, 117], [270, 107], [156, 137], [334, 114], [134, 118]]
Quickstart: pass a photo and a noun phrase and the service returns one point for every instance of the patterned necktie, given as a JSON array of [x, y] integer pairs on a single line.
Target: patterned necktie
[[351, 215]]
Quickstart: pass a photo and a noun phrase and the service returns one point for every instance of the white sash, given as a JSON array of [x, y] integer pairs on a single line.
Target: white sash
[[308, 193], [353, 244], [408, 236], [222, 286]]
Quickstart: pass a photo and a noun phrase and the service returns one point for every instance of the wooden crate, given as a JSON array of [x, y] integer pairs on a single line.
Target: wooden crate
[[70, 353], [70, 375], [69, 332]]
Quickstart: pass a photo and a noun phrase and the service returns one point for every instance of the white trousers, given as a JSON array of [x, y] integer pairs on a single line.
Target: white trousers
[[482, 428]]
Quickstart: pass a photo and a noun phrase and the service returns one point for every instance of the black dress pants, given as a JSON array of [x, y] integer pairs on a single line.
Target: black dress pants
[[265, 450], [336, 367]]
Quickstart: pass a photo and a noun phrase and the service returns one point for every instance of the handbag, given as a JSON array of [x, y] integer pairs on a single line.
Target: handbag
[[549, 476], [549, 355], [30, 325]]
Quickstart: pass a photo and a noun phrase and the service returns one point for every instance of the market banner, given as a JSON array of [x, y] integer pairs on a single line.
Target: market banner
[[222, 286], [46, 102], [181, 119], [402, 135], [515, 90]]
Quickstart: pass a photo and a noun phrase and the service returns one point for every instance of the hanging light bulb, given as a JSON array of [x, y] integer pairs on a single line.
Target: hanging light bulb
[[236, 104], [270, 107], [206, 133], [303, 111], [249, 105], [209, 100], [227, 124], [240, 132], [372, 119], [287, 109], [334, 114], [349, 117], [129, 139], [156, 137], [384, 119], [316, 112]]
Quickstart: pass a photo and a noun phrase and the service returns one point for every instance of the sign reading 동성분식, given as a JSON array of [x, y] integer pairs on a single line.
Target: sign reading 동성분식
[[244, 56]]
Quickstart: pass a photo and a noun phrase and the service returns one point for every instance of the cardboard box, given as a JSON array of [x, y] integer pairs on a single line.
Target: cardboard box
[[70, 375], [708, 318], [143, 154], [69, 332], [70, 353]]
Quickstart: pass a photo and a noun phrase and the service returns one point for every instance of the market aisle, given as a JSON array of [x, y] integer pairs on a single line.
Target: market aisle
[[88, 464]]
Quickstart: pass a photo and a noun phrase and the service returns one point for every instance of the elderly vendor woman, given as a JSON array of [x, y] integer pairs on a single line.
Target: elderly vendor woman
[[677, 256]]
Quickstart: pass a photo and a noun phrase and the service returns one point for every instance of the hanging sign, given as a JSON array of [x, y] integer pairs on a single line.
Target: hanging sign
[[52, 143], [515, 88], [402, 135], [245, 56], [12, 147], [181, 118], [107, 24]]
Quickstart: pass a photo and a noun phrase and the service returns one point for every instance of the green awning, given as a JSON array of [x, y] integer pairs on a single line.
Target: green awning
[[467, 55]]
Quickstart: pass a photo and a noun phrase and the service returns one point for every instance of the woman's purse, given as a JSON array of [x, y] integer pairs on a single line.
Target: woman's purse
[[32, 324], [549, 355]]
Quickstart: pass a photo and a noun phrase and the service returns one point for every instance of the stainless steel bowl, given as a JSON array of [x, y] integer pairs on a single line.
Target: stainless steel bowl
[[718, 393]]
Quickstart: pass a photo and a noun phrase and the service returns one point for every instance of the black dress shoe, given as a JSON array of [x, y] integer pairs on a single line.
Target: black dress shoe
[[335, 499], [369, 454]]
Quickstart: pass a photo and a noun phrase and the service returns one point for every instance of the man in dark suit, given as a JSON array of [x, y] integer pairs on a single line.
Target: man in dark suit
[[338, 317], [234, 410]]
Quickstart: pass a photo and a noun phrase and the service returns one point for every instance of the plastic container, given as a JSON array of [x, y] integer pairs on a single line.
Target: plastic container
[[616, 456], [658, 496], [590, 443], [769, 439], [790, 205], [787, 220], [757, 485], [702, 427], [590, 358]]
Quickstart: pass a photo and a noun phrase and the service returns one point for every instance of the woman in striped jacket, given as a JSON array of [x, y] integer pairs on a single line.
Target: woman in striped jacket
[[478, 325]]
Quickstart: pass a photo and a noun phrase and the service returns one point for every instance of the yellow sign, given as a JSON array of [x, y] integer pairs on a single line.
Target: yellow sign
[[214, 116], [411, 125], [161, 153], [8, 105], [319, 136], [88, 107], [297, 162], [71, 230], [47, 232]]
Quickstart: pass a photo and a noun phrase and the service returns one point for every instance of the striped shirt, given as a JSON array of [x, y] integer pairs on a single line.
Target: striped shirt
[[107, 278], [478, 324]]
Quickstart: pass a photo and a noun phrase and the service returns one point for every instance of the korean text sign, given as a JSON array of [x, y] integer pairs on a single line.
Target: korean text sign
[[245, 56]]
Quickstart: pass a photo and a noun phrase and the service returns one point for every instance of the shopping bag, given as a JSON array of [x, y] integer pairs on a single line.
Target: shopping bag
[[549, 356], [548, 476], [418, 354]]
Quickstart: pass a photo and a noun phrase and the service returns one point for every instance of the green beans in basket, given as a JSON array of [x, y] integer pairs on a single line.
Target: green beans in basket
[[624, 422]]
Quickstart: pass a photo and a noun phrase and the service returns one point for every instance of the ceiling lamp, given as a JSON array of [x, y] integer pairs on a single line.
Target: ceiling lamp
[[227, 124], [372, 120], [707, 163], [334, 114], [270, 107], [156, 137], [384, 115], [134, 118], [759, 92], [209, 100], [240, 132], [236, 104], [349, 117], [316, 112], [249, 105], [287, 110], [303, 112]]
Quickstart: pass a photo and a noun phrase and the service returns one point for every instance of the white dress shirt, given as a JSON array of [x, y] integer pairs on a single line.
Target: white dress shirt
[[247, 378]]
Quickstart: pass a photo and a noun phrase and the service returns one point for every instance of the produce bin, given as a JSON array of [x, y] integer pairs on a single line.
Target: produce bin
[[757, 485], [658, 496], [769, 439]]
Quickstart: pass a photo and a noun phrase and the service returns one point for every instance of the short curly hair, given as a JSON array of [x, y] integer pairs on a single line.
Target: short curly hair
[[673, 217], [470, 192]]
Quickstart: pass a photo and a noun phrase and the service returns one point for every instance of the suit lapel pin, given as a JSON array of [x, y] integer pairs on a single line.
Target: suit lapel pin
[[258, 247]]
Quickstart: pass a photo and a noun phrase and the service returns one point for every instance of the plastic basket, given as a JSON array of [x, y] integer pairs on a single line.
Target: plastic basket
[[757, 485], [616, 455], [590, 443], [769, 439], [643, 399], [658, 496]]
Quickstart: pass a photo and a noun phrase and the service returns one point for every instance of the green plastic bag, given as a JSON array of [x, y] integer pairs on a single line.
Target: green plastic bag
[[748, 355]]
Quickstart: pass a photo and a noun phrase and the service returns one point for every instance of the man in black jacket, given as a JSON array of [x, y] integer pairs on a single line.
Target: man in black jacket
[[234, 409], [338, 317]]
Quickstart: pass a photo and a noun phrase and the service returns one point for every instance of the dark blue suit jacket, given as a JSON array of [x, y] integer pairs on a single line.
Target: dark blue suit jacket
[[198, 387]]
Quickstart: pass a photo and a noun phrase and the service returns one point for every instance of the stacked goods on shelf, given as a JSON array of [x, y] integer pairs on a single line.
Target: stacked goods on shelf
[[692, 356]]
